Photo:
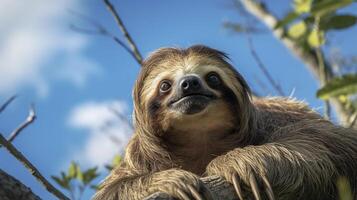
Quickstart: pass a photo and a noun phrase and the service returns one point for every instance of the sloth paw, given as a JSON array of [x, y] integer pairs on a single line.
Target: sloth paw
[[180, 184], [247, 183]]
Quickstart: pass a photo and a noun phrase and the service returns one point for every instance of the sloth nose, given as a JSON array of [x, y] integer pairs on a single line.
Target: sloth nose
[[190, 84]]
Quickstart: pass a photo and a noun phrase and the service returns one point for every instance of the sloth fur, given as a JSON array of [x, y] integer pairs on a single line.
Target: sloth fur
[[194, 116]]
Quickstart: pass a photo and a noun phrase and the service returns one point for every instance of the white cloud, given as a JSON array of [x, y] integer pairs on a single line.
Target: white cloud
[[34, 35], [108, 134]]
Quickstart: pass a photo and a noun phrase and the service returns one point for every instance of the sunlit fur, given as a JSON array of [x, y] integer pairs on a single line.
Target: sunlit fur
[[300, 153]]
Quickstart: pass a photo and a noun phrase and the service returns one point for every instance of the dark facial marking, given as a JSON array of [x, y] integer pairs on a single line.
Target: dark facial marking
[[153, 107], [216, 83]]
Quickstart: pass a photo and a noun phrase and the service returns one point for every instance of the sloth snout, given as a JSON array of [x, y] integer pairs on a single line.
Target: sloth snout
[[190, 84]]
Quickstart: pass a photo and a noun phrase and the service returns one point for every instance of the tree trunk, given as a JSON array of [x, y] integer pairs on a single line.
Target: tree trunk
[[12, 189]]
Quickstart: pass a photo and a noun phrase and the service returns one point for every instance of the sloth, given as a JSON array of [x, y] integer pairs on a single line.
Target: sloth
[[194, 116]]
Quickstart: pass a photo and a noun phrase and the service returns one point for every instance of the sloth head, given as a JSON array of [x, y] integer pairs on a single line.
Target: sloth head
[[193, 89]]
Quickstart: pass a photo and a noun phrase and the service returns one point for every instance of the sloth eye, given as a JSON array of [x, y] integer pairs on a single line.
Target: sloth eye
[[213, 79], [165, 86]]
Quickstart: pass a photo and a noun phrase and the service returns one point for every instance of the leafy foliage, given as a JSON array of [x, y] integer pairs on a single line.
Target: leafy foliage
[[302, 6], [297, 30], [314, 18], [115, 162], [344, 189], [316, 38], [308, 24], [323, 7], [338, 22], [75, 181], [345, 85]]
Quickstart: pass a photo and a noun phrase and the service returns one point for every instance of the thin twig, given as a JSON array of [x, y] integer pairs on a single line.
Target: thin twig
[[354, 120], [103, 32], [33, 170], [29, 120], [100, 30], [262, 67], [7, 102], [125, 32], [322, 69]]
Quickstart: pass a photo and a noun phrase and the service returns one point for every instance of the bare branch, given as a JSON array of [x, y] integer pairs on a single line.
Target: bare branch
[[322, 71], [122, 117], [99, 30], [29, 120], [103, 32], [262, 67], [33, 170], [6, 103], [125, 32]]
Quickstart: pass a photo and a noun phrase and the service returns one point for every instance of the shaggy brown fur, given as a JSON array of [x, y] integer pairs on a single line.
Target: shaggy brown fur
[[266, 147]]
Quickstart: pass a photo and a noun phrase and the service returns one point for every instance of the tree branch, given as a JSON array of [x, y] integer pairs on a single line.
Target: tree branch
[[353, 121], [29, 120], [220, 189], [33, 170], [262, 67], [125, 32], [6, 103], [308, 58]]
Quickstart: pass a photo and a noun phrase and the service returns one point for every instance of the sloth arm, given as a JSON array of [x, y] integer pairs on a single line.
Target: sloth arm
[[131, 183], [299, 158]]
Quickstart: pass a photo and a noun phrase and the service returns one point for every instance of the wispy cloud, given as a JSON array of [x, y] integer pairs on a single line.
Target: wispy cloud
[[37, 46], [108, 134]]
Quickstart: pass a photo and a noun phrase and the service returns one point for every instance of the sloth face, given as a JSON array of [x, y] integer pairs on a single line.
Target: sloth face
[[190, 89], [191, 93]]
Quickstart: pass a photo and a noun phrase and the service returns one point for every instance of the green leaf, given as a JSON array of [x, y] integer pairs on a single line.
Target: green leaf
[[90, 175], [344, 85], [339, 22], [62, 182], [323, 7], [116, 161], [79, 174], [302, 6], [72, 170], [316, 38], [297, 30], [291, 16]]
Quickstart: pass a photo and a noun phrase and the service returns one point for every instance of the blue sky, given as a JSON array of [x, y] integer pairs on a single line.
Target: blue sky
[[73, 78]]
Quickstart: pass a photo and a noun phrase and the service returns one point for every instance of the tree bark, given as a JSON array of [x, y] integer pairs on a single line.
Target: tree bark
[[220, 189], [12, 189], [309, 58]]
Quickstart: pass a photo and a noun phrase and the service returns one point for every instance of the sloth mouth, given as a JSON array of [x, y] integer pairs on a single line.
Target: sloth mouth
[[191, 103]]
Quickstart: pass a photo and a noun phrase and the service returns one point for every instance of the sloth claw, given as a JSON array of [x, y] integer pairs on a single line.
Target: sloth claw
[[254, 186], [268, 188], [183, 195], [237, 186], [195, 193]]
